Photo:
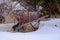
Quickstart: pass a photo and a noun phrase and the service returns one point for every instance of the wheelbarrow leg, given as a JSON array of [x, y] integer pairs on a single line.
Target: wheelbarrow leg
[[16, 26]]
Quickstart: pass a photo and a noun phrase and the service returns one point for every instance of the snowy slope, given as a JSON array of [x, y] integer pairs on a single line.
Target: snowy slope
[[6, 27], [24, 36], [47, 31]]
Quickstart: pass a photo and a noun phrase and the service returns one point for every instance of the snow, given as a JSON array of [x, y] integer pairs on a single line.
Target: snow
[[52, 22], [46, 31], [22, 36], [17, 6], [1, 1], [6, 27]]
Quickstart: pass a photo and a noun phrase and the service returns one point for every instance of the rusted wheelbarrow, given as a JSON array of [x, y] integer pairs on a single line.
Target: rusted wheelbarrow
[[27, 21]]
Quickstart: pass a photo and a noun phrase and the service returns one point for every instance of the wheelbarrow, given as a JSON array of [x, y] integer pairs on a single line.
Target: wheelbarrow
[[27, 21]]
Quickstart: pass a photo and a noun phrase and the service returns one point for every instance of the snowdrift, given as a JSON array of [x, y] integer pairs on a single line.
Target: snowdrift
[[48, 30]]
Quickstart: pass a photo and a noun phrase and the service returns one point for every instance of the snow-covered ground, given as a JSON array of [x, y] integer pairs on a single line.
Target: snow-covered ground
[[46, 31]]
